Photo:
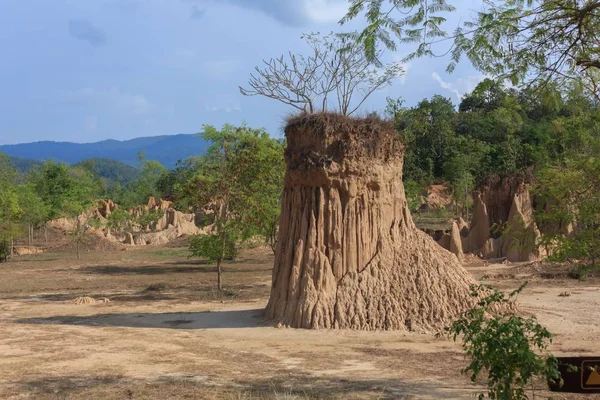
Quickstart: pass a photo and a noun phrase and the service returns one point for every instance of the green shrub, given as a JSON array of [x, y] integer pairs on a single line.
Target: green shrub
[[512, 350]]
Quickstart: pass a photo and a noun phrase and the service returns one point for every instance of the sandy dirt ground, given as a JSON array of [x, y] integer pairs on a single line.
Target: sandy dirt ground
[[167, 334]]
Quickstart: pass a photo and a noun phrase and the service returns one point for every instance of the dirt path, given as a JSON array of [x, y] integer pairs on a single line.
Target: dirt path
[[173, 347]]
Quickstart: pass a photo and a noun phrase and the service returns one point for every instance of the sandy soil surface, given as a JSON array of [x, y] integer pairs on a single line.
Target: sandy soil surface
[[166, 333]]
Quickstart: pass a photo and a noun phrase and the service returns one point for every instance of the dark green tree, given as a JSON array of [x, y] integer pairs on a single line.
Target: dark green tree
[[66, 191], [10, 210]]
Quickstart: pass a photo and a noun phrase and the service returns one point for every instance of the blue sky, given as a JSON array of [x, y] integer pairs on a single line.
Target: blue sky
[[87, 70]]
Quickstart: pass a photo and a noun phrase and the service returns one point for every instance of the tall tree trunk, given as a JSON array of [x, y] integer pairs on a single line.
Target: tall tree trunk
[[220, 260], [219, 285]]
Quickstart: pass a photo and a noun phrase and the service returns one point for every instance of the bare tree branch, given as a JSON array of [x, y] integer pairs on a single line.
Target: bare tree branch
[[337, 75]]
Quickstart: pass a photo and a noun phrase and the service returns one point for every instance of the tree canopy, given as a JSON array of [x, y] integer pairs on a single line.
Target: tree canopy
[[238, 184], [520, 40]]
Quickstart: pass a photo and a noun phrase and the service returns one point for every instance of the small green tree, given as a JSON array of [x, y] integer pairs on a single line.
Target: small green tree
[[80, 234], [511, 349], [238, 183], [215, 248], [120, 221]]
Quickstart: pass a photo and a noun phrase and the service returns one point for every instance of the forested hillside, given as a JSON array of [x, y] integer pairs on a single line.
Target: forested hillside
[[165, 149], [111, 170], [23, 165]]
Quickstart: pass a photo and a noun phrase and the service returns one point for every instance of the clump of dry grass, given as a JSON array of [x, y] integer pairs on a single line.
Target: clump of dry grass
[[156, 287]]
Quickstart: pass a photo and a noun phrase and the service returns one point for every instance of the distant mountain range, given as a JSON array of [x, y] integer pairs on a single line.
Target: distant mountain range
[[165, 149]]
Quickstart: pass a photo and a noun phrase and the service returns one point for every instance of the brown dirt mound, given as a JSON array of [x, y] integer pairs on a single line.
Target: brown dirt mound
[[182, 241], [436, 197], [503, 223], [349, 254], [83, 300]]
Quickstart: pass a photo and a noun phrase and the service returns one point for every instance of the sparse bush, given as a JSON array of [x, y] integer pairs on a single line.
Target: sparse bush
[[512, 350], [149, 218], [413, 194], [157, 287], [120, 221]]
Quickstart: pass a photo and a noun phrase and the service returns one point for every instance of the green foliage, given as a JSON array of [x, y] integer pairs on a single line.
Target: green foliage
[[139, 190], [10, 209], [413, 194], [126, 185], [4, 250], [120, 221], [112, 175], [518, 40], [112, 171], [239, 180], [66, 191], [214, 247], [34, 210], [148, 218], [510, 349], [24, 165], [495, 131], [238, 184], [426, 131], [172, 185], [572, 191]]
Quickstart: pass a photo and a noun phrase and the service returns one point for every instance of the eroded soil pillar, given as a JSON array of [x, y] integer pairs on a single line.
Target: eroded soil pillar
[[348, 254]]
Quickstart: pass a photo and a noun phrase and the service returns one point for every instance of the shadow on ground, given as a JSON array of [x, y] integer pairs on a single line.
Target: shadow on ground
[[164, 269], [146, 269], [183, 320], [298, 386], [143, 295]]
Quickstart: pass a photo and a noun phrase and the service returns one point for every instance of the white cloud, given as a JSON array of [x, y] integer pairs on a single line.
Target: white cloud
[[324, 11], [112, 98], [460, 86], [397, 59], [294, 12]]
